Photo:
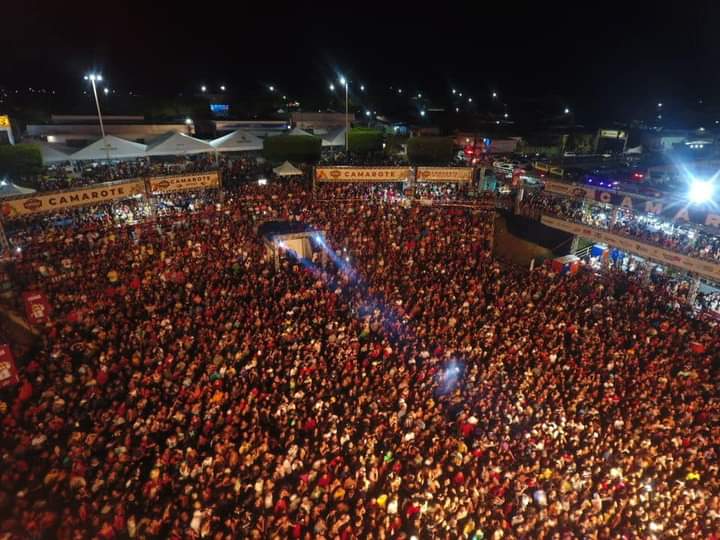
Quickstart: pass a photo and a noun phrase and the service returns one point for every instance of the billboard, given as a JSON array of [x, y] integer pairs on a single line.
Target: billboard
[[46, 202], [184, 182], [704, 268], [362, 174], [674, 210], [444, 174]]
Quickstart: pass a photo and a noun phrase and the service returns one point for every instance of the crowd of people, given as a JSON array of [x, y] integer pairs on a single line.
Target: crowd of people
[[399, 383], [692, 241]]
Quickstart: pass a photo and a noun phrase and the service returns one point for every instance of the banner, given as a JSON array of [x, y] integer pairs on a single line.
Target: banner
[[99, 193], [184, 182], [362, 174], [704, 268], [444, 174], [672, 210], [37, 307], [8, 371]]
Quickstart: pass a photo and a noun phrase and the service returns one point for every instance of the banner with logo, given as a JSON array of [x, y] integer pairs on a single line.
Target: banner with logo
[[184, 182], [8, 371], [362, 174], [37, 307], [673, 210], [46, 202], [704, 268], [444, 174]]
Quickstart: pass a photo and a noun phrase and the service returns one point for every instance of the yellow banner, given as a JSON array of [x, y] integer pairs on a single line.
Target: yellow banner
[[47, 202], [362, 174], [183, 182], [444, 174], [4, 121]]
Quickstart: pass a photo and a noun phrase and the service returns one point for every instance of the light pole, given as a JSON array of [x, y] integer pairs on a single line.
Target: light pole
[[344, 82], [92, 78]]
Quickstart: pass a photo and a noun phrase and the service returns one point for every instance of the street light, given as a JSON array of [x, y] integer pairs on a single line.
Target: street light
[[494, 95], [188, 121], [469, 100], [332, 87], [93, 78], [106, 91], [454, 91], [422, 113], [567, 110], [222, 87], [344, 82], [362, 87], [659, 104], [367, 113], [506, 115], [203, 88], [271, 88]]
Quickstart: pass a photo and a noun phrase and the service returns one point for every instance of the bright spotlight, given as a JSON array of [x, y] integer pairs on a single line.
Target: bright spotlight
[[343, 81], [262, 181], [700, 191]]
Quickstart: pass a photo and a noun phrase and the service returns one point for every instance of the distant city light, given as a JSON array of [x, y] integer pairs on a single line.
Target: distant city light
[[203, 88], [460, 94], [271, 88], [494, 94], [399, 90], [469, 100], [506, 115], [457, 109], [362, 87], [454, 91]]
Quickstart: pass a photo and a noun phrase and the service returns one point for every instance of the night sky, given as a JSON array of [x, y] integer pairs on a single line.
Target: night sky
[[599, 56]]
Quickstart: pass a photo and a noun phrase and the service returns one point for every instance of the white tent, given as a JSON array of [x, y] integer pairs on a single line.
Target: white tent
[[300, 132], [110, 147], [334, 137], [8, 189], [237, 141], [175, 143], [287, 169], [53, 153]]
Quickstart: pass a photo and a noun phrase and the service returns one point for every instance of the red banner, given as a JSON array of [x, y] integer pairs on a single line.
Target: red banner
[[37, 307], [8, 372]]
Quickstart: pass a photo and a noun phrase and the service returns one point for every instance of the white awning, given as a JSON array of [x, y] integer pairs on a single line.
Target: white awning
[[334, 137], [237, 141], [287, 169], [53, 153], [110, 147], [300, 132], [176, 144], [8, 189]]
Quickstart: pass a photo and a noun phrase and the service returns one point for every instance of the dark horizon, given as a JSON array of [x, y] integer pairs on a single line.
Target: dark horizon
[[605, 60]]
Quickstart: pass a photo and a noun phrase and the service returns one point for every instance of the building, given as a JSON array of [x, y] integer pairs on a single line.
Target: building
[[318, 120], [77, 131]]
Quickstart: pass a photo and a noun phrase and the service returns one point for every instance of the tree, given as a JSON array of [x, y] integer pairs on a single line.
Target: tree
[[20, 161], [295, 148], [430, 150], [364, 140]]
